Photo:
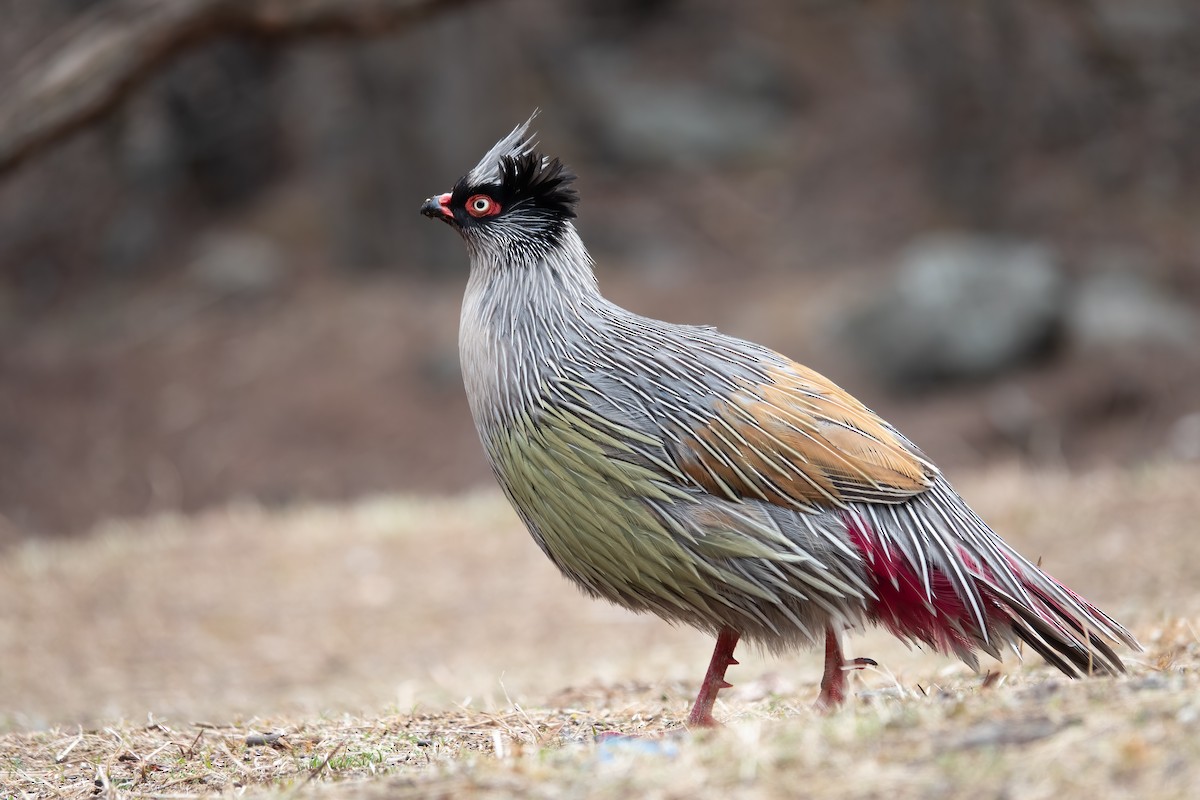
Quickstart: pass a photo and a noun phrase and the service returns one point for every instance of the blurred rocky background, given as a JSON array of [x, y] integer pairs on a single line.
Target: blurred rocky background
[[979, 216]]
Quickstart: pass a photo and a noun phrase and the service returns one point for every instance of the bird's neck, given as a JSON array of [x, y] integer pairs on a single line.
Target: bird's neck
[[523, 311], [539, 287], [534, 266]]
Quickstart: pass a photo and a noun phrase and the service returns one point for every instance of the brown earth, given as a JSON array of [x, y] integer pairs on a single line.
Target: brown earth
[[417, 647]]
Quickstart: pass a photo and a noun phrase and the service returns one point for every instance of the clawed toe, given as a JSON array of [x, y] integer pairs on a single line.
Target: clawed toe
[[833, 682]]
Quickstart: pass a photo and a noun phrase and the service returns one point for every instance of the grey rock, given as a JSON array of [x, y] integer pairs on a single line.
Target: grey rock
[[960, 307], [734, 114], [237, 264], [678, 124], [1119, 307]]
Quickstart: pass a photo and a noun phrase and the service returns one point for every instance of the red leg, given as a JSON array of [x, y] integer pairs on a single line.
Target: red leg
[[833, 682], [714, 679]]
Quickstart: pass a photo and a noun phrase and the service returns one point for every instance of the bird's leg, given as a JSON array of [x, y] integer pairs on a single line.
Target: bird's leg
[[833, 682], [714, 679]]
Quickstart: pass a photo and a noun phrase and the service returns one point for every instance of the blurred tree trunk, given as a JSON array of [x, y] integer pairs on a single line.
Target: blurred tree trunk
[[86, 69]]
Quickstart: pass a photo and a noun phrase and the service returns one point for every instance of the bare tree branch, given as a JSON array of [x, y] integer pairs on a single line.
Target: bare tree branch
[[85, 70]]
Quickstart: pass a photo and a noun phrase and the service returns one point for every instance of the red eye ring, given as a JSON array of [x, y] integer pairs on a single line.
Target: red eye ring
[[480, 205]]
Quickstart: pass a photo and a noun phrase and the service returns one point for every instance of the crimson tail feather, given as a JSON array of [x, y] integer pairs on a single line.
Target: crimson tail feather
[[941, 576]]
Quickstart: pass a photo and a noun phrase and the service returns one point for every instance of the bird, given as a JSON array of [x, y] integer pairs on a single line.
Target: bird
[[712, 481]]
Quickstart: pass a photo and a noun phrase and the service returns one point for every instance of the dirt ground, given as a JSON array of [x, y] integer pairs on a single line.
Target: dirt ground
[[424, 647]]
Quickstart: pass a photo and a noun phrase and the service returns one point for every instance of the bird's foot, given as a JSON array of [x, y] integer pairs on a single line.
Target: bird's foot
[[833, 682], [714, 680], [833, 692], [701, 716]]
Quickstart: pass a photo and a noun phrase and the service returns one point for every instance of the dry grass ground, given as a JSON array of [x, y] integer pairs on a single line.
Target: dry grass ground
[[397, 648]]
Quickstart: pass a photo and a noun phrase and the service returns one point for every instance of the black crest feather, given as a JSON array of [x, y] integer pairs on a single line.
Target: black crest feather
[[533, 181]]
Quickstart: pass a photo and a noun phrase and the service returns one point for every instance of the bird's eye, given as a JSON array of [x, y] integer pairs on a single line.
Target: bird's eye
[[481, 205]]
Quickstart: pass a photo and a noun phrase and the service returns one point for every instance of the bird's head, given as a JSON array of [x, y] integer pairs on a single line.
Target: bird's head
[[514, 198]]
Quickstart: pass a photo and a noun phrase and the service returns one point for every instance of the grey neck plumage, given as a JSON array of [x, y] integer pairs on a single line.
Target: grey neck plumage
[[526, 307]]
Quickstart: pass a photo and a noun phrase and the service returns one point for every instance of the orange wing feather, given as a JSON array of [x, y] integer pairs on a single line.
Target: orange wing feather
[[800, 440]]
